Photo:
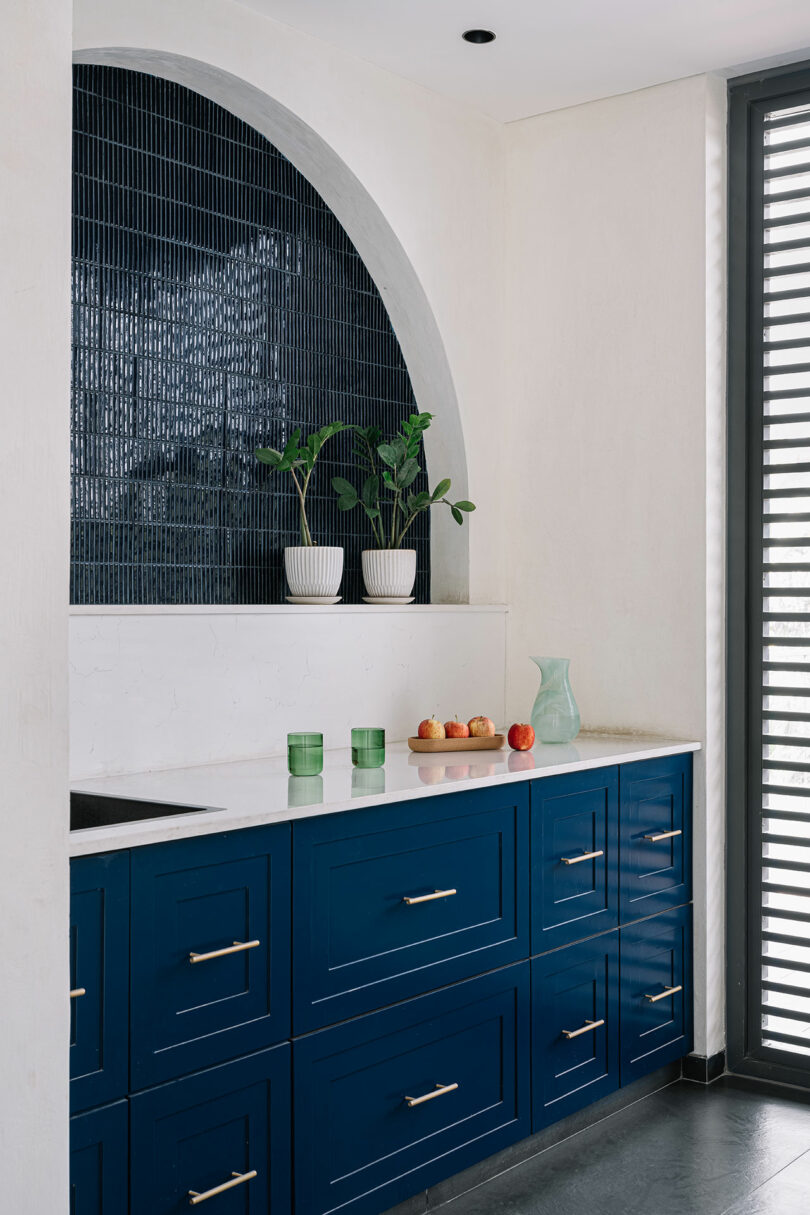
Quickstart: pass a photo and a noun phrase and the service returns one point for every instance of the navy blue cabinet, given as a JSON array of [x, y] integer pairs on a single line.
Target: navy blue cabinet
[[575, 1027], [656, 835], [395, 901], [656, 992], [210, 950], [392, 1102], [99, 979], [99, 1152], [575, 850], [223, 1133]]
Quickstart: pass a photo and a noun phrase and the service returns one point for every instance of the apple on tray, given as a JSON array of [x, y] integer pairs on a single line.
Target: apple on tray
[[456, 729], [431, 727], [481, 727], [520, 737]]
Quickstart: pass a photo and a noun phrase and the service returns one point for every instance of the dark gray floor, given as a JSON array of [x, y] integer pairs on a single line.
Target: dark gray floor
[[685, 1150]]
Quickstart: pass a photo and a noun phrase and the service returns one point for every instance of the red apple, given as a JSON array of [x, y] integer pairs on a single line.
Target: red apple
[[481, 727], [456, 729], [520, 737], [431, 727]]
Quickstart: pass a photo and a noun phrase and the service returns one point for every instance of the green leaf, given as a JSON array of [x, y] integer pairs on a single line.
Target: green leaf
[[343, 487], [421, 501], [346, 503], [407, 474], [371, 511], [387, 454], [464, 505], [388, 479], [371, 490], [268, 455], [457, 515], [291, 450], [441, 489]]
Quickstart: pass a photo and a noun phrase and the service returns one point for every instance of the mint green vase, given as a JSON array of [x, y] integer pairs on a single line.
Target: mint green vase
[[555, 716]]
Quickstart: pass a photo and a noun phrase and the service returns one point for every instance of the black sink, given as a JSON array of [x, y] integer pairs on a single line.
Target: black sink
[[95, 810]]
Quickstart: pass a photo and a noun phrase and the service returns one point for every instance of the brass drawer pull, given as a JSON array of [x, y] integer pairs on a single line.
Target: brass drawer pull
[[236, 1179], [662, 995], [584, 1029], [586, 856], [78, 991], [439, 1091], [663, 835], [237, 947], [410, 899]]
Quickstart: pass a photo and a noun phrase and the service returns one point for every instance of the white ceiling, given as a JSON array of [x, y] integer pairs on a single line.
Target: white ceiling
[[550, 55]]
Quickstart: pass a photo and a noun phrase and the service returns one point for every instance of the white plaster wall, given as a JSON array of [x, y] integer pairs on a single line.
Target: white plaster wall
[[156, 689], [431, 167], [34, 353], [614, 344]]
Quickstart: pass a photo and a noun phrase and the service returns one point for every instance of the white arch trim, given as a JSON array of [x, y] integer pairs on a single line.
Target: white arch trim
[[387, 262]]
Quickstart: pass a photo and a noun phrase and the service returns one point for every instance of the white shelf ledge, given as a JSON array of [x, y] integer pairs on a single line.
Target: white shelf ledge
[[279, 609]]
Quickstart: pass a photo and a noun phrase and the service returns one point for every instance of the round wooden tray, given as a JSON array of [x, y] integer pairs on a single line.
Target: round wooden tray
[[493, 743]]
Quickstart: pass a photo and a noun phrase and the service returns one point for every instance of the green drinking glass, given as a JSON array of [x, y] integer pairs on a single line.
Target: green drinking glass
[[368, 747], [305, 754]]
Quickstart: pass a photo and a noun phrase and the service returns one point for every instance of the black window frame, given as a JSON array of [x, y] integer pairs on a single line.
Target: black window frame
[[749, 97]]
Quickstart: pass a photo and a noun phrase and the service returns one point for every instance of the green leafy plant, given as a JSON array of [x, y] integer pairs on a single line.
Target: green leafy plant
[[391, 467], [298, 459]]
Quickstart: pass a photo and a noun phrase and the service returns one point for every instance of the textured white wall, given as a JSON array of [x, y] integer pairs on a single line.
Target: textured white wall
[[614, 344], [153, 689], [34, 353]]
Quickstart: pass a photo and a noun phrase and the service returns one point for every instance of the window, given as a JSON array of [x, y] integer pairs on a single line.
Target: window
[[769, 577]]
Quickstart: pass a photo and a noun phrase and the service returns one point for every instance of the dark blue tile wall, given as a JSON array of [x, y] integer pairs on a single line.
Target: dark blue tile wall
[[217, 305]]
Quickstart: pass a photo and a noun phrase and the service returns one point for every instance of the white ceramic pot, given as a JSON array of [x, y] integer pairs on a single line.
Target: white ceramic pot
[[314, 570], [389, 573]]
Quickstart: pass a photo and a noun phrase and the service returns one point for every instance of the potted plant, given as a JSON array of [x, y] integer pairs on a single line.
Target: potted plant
[[313, 571], [391, 467]]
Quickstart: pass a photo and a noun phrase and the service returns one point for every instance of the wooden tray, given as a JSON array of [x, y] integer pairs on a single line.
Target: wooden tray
[[493, 743]]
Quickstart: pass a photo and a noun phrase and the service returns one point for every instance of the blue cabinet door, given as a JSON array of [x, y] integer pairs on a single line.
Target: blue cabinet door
[[656, 992], [575, 853], [99, 979], [394, 1101], [655, 835], [99, 1150], [210, 950], [396, 901], [575, 1027], [225, 1127]]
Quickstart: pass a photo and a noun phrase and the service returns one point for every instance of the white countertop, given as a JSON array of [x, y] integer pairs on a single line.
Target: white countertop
[[248, 793]]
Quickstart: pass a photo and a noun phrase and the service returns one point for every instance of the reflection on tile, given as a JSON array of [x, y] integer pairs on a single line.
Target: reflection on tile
[[217, 305]]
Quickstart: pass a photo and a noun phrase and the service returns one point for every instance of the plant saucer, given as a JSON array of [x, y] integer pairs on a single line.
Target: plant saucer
[[392, 599], [323, 600]]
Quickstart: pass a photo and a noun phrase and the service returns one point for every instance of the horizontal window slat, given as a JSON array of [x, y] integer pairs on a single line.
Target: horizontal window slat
[[787, 293], [772, 689], [783, 246], [803, 166], [784, 938], [785, 989], [779, 913], [785, 221], [789, 145], [776, 1035], [785, 740], [774, 862], [784, 963], [789, 791], [790, 1014]]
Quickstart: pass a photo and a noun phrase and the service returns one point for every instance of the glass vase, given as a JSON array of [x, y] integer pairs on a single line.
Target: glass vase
[[555, 716]]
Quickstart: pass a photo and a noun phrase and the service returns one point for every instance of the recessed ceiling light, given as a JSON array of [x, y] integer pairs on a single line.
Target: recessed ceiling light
[[479, 37]]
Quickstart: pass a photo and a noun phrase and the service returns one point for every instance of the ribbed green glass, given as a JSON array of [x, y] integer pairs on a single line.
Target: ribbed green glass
[[305, 754], [368, 747]]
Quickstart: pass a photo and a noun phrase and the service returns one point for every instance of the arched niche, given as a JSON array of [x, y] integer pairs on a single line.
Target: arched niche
[[387, 262]]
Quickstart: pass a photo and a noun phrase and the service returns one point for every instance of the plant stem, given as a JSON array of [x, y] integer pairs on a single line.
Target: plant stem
[[306, 535], [405, 528]]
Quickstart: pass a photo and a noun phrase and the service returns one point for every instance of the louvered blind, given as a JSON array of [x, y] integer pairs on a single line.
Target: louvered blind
[[780, 302]]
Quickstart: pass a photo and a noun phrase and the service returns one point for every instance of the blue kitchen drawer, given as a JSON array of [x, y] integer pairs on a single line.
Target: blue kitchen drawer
[[359, 1145], [191, 899], [217, 1127], [573, 1064], [655, 835], [99, 1169], [359, 943], [574, 816], [99, 979], [656, 960]]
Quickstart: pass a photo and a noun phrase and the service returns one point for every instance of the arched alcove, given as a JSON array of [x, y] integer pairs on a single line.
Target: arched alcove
[[383, 255]]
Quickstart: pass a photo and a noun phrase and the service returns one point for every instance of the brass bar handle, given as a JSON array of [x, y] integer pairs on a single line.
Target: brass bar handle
[[663, 835], [584, 1029], [662, 995], [586, 856], [78, 991], [410, 899], [237, 947], [236, 1179], [439, 1091]]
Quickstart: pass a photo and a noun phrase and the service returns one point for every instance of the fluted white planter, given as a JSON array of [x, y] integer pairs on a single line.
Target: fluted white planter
[[389, 573], [314, 571]]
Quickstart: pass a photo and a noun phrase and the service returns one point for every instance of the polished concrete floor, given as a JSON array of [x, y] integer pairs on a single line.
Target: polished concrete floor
[[687, 1149]]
